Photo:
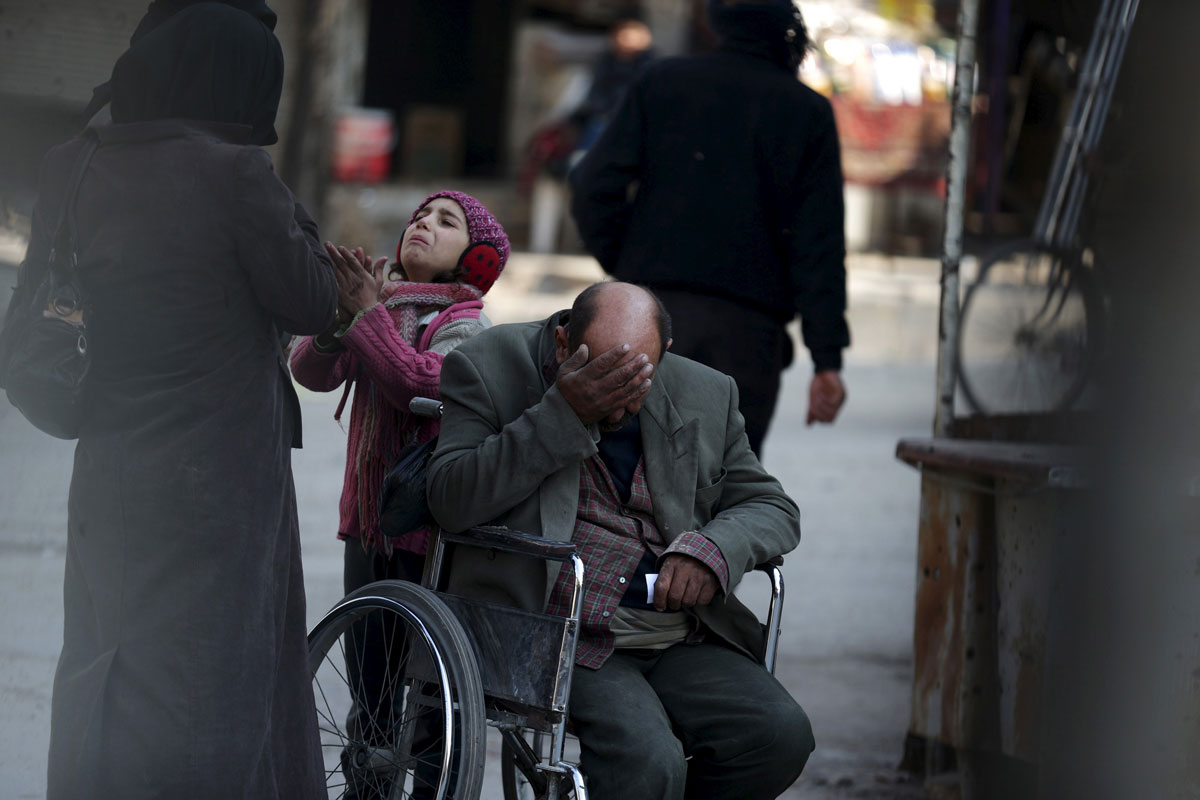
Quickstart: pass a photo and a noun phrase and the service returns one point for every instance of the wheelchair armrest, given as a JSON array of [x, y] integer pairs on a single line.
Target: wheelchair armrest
[[510, 541], [766, 566], [773, 568]]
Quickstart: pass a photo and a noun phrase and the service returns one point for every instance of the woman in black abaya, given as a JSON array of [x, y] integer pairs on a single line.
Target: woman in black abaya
[[184, 672]]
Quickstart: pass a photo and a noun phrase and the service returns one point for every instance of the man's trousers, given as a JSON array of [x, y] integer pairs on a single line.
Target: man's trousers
[[644, 712]]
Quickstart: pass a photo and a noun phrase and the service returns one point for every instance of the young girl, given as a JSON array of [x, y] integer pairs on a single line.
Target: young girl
[[390, 342]]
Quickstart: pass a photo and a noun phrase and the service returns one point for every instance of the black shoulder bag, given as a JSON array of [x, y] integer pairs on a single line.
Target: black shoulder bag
[[402, 503], [43, 347]]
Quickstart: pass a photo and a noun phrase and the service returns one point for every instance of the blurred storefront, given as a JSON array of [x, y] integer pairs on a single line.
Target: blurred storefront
[[462, 98], [387, 98], [467, 97], [886, 67]]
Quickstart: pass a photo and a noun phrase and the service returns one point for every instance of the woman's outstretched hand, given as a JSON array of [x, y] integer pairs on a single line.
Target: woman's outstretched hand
[[359, 279]]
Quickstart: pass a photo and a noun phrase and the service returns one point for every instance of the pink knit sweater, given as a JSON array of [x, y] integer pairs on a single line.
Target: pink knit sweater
[[376, 355]]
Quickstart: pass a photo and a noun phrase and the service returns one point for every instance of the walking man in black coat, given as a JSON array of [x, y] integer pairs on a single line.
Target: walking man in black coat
[[718, 184]]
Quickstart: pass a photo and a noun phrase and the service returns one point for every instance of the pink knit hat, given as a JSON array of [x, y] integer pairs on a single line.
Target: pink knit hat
[[482, 227]]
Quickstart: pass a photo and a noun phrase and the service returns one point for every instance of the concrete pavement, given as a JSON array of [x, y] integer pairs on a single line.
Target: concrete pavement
[[846, 649]]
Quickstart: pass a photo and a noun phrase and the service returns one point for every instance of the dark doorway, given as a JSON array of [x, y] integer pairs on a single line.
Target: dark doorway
[[443, 69]]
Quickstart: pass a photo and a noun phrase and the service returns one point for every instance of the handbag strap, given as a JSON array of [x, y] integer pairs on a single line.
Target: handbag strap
[[65, 234]]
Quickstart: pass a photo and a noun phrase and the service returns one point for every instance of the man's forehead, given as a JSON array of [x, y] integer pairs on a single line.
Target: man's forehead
[[641, 338]]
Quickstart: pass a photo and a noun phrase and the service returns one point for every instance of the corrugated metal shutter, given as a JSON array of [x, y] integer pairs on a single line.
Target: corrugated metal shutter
[[60, 49]]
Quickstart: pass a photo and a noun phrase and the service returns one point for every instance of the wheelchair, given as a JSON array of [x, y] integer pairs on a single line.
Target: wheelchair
[[412, 723]]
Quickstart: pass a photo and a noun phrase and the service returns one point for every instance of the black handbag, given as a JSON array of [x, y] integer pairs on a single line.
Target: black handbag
[[402, 503], [44, 358]]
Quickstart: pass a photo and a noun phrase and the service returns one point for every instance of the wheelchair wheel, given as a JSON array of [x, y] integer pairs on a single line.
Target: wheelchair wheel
[[1029, 332], [399, 698]]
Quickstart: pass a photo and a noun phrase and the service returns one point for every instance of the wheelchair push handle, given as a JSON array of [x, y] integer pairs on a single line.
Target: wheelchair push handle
[[426, 407]]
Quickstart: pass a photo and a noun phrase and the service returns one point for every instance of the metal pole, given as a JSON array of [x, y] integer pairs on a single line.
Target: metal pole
[[956, 191]]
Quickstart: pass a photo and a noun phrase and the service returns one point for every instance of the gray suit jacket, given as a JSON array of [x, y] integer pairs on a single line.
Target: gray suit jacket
[[510, 451]]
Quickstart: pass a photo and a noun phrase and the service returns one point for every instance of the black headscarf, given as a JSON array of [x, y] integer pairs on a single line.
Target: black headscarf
[[162, 10], [208, 62], [159, 12], [773, 25]]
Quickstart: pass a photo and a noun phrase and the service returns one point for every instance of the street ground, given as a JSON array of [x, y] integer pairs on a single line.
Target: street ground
[[846, 651]]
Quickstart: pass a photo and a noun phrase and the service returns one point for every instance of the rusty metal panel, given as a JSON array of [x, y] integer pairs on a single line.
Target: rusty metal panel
[[954, 684], [987, 566], [1027, 527]]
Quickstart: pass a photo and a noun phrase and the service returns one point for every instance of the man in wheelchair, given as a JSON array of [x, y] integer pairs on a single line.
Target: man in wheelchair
[[583, 427]]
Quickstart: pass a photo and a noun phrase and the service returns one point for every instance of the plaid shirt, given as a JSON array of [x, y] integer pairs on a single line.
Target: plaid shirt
[[611, 537]]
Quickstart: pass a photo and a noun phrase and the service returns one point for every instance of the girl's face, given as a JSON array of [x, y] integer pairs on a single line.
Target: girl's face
[[434, 241]]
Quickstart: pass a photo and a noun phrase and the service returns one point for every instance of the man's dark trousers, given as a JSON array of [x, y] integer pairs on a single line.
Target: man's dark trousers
[[644, 711]]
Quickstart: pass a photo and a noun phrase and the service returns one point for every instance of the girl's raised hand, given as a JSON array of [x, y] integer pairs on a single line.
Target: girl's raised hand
[[359, 279], [379, 270], [343, 279]]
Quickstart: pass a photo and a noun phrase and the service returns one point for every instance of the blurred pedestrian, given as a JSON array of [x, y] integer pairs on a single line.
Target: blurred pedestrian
[[629, 51], [737, 217], [389, 343], [184, 666], [556, 145]]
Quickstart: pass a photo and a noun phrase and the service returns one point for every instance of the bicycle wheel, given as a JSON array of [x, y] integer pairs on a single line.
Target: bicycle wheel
[[1027, 335], [399, 698]]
